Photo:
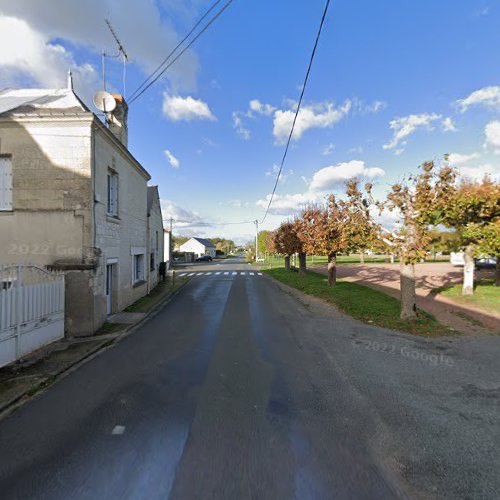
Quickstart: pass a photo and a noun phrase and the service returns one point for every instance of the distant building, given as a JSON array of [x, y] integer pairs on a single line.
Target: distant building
[[73, 197], [199, 247]]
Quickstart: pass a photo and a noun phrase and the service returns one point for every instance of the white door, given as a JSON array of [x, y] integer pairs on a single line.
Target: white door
[[109, 287]]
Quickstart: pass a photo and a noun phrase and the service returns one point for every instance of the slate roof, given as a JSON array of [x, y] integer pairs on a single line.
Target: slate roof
[[40, 102], [204, 242], [152, 194]]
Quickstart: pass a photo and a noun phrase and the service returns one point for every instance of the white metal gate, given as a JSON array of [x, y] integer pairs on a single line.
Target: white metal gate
[[31, 310]]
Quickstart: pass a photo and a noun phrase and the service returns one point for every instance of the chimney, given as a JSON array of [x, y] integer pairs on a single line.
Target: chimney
[[118, 120]]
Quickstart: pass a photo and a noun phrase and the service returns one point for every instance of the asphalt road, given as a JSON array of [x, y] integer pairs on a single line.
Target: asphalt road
[[237, 389]]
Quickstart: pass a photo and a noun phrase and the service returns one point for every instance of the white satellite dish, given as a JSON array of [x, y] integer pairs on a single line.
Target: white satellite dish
[[104, 101]]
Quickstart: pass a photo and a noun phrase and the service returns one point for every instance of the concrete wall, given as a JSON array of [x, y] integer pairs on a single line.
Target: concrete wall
[[51, 215], [197, 248]]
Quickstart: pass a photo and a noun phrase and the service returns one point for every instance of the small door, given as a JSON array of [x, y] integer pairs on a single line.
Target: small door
[[109, 287]]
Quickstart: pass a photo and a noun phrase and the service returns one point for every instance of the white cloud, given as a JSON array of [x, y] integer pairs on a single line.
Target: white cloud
[[492, 135], [260, 108], [235, 203], [322, 181], [178, 108], [238, 125], [460, 159], [31, 52], [407, 125], [487, 96], [329, 177], [448, 125], [30, 55], [183, 217], [321, 115], [174, 162], [289, 203], [478, 172], [328, 150], [283, 176]]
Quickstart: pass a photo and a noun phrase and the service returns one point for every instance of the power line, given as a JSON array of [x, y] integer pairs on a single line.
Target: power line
[[207, 224], [175, 49], [212, 20], [298, 108]]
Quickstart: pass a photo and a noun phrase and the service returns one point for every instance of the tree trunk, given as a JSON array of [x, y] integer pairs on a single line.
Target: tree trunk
[[362, 258], [392, 258], [468, 286], [408, 295], [497, 272], [287, 262], [302, 263], [332, 269]]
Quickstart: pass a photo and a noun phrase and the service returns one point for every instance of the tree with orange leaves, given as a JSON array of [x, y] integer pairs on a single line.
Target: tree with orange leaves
[[286, 241]]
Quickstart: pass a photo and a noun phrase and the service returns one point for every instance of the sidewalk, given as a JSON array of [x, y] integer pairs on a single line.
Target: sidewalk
[[21, 380], [464, 318]]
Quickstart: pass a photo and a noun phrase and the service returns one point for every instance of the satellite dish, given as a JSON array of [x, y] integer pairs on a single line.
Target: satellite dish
[[104, 101]]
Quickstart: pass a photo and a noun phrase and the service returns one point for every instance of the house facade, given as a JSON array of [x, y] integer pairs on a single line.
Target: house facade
[[155, 236], [72, 197], [198, 246]]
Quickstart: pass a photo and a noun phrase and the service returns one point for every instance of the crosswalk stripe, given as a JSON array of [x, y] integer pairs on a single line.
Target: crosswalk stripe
[[217, 274], [234, 273], [200, 274], [260, 274], [251, 274], [208, 274], [242, 274], [191, 274], [183, 274], [226, 273]]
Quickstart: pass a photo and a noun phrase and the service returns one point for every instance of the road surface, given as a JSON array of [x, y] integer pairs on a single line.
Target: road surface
[[238, 389]]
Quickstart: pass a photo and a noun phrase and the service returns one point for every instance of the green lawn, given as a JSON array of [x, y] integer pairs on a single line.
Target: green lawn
[[344, 259], [486, 295], [360, 302]]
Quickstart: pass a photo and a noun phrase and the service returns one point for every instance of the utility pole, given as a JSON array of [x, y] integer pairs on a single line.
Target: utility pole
[[256, 240]]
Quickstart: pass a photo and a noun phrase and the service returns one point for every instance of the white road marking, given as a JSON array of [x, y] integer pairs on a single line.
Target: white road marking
[[191, 274], [242, 274], [217, 274], [200, 274], [208, 274], [260, 274], [118, 430], [251, 274], [234, 273], [226, 273], [183, 274]]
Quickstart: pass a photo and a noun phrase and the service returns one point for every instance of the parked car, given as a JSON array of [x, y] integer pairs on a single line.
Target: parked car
[[485, 263], [204, 258]]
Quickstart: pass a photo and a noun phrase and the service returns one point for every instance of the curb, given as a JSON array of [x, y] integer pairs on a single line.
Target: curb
[[34, 391]]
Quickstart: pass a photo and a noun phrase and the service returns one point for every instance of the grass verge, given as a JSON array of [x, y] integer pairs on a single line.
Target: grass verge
[[486, 295], [360, 302], [146, 303]]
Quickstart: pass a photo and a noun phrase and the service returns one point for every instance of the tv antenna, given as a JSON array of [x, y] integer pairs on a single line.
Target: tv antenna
[[121, 52]]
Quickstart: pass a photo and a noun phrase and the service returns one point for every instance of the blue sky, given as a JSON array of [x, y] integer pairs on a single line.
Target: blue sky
[[394, 83]]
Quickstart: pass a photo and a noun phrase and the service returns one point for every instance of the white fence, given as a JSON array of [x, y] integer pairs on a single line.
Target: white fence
[[31, 310]]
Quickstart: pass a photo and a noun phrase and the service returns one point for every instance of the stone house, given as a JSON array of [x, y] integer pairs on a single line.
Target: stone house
[[74, 198], [155, 236], [198, 246]]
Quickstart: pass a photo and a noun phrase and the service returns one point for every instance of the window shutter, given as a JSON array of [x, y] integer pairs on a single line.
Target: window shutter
[[5, 183]]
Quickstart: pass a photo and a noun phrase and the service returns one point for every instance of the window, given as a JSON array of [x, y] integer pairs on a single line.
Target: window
[[5, 183], [152, 261], [138, 271], [157, 242], [112, 193]]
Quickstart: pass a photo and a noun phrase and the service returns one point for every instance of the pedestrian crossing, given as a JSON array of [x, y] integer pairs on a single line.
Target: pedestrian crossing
[[220, 274]]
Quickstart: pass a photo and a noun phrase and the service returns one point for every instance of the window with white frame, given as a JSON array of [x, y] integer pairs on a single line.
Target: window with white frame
[[5, 183], [112, 193], [138, 268]]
